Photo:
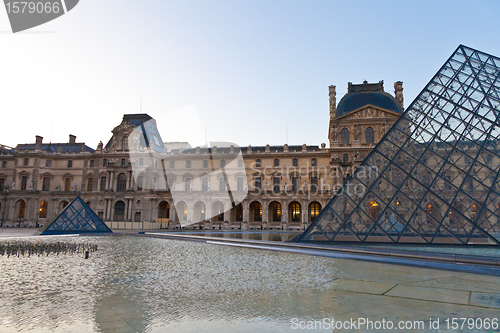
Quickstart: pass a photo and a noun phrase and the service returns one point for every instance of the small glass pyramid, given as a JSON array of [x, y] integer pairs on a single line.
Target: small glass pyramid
[[434, 177], [76, 218]]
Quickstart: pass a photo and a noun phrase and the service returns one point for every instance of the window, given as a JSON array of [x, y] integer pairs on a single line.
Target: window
[[123, 162], [345, 158], [222, 163], [137, 217], [46, 184], [258, 183], [239, 212], [125, 143], [257, 211], [119, 211], [188, 164], [22, 207], [276, 162], [121, 184], [239, 184], [4, 164], [373, 210], [314, 162], [24, 182], [257, 163], [171, 183], [240, 163], [140, 179], [314, 209], [70, 164], [172, 165], [369, 135], [48, 163], [43, 209], [276, 209], [103, 183], [92, 163], [2, 184], [295, 183], [222, 184], [88, 203], [204, 184], [295, 162], [205, 164], [90, 184], [314, 183], [67, 184], [141, 162], [187, 184], [344, 136], [26, 161], [276, 184], [105, 162], [295, 208]]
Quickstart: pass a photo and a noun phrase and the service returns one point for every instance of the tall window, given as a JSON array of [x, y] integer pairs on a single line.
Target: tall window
[[314, 209], [4, 164], [205, 164], [48, 163], [370, 135], [257, 163], [26, 161], [314, 183], [24, 182], [295, 207], [22, 208], [46, 184], [239, 212], [90, 184], [2, 184], [295, 162], [123, 162], [70, 164], [258, 183], [105, 162], [239, 184], [187, 184], [314, 162], [276, 162], [222, 184], [140, 179], [121, 184], [345, 158], [240, 163], [103, 183], [344, 136], [92, 163], [67, 184], [276, 184], [257, 211], [141, 162], [295, 184], [204, 184], [373, 210], [222, 163], [188, 164], [276, 209], [171, 183], [119, 211], [43, 209], [125, 143], [172, 165]]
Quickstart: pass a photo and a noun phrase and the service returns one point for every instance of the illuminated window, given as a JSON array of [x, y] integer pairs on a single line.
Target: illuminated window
[[295, 208], [314, 209], [43, 209], [373, 210], [22, 208], [67, 184], [276, 211]]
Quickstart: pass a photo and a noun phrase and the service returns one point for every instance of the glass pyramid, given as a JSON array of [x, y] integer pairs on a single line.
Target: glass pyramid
[[76, 218], [434, 177]]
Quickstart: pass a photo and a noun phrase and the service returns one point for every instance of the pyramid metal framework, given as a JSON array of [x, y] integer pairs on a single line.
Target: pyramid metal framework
[[76, 218], [434, 177]]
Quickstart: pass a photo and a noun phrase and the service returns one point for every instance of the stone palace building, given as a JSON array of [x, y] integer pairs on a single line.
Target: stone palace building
[[283, 187]]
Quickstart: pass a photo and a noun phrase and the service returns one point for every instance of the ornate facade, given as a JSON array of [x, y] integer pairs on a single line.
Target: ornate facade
[[287, 185]]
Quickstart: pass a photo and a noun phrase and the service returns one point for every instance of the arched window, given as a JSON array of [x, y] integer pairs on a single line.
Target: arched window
[[314, 162], [43, 209], [314, 209], [205, 164], [344, 136], [188, 164], [121, 184], [370, 136], [119, 211], [295, 210], [373, 210], [22, 208], [276, 162], [276, 211], [257, 163], [125, 143], [239, 212], [295, 162], [164, 210], [123, 162]]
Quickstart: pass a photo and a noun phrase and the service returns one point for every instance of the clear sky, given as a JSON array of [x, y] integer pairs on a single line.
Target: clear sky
[[248, 69]]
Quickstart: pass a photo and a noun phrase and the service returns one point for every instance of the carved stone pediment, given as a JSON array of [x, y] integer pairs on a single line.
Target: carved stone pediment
[[369, 111]]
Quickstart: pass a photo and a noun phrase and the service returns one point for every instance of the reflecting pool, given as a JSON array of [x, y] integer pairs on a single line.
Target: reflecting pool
[[141, 284]]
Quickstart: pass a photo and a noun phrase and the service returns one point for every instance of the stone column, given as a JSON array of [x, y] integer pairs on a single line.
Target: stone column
[[265, 211], [131, 202], [246, 210]]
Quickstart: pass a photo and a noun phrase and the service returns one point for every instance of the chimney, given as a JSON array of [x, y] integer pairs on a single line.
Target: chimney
[[38, 144], [72, 138], [398, 92]]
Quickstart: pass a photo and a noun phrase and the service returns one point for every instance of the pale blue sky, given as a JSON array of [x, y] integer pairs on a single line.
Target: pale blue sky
[[249, 68]]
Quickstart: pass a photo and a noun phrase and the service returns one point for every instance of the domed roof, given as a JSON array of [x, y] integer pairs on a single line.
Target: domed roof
[[359, 95]]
